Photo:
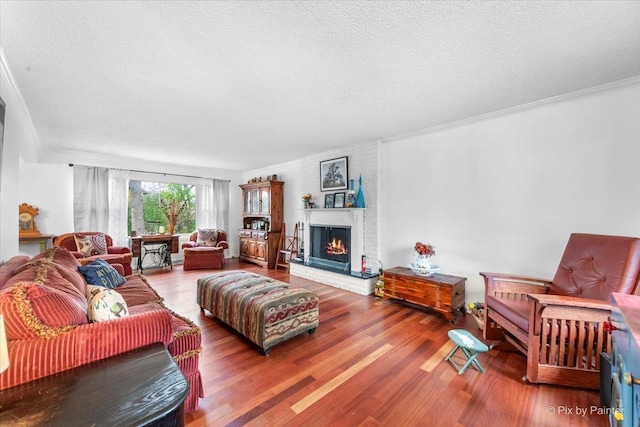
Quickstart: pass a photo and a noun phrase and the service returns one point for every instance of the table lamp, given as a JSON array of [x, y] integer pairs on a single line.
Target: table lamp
[[4, 350]]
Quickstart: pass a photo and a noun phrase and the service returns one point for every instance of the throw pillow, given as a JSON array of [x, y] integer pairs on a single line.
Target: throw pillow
[[207, 237], [101, 273], [106, 304], [91, 244]]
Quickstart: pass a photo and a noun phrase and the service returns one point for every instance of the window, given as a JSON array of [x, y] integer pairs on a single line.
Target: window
[[154, 206]]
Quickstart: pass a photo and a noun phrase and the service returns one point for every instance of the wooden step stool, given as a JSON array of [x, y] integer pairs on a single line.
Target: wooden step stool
[[470, 346]]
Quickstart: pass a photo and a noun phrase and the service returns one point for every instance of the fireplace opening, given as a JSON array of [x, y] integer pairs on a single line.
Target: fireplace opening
[[330, 247]]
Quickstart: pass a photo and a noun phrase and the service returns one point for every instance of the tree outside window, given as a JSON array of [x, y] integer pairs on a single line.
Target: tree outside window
[[155, 204]]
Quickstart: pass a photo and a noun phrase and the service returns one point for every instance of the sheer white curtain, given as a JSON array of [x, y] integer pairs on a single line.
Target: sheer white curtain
[[90, 199], [212, 204], [118, 206]]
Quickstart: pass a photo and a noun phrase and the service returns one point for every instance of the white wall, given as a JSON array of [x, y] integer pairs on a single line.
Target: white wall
[[504, 193], [48, 187]]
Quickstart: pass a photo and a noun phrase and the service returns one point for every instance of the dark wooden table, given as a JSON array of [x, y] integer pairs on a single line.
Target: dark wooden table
[[143, 387]]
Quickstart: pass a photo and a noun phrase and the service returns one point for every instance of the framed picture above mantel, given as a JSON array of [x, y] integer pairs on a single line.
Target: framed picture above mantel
[[334, 174]]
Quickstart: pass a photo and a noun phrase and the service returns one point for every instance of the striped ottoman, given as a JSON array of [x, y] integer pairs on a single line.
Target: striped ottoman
[[264, 310]]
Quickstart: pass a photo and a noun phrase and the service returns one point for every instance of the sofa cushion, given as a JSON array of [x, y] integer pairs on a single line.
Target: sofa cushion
[[54, 276], [101, 273], [59, 256], [137, 291], [207, 237], [35, 310], [9, 268], [91, 244], [517, 311], [58, 259], [105, 304]]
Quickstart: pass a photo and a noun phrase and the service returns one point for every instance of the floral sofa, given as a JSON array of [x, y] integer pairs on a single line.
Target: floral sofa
[[46, 312], [100, 246]]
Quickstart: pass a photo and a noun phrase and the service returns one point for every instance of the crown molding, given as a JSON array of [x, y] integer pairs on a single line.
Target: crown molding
[[632, 81]]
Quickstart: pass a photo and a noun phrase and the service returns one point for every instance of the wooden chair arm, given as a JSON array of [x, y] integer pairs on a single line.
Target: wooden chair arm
[[567, 301], [565, 307], [503, 284]]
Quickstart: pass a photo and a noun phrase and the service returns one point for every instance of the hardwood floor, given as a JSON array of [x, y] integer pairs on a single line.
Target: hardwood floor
[[370, 363]]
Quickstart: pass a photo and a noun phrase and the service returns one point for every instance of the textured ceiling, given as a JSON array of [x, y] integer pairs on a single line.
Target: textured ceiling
[[241, 85]]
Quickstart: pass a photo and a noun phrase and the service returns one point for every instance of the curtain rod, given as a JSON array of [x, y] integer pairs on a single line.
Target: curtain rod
[[158, 173]]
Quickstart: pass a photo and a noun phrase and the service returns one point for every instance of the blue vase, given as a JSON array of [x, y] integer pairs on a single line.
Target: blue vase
[[360, 196]]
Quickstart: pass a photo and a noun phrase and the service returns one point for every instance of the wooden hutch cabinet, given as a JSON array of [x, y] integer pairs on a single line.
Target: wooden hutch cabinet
[[261, 222]]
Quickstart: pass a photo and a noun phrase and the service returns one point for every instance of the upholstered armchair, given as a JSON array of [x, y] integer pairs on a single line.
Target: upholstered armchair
[[560, 324], [86, 246], [205, 249]]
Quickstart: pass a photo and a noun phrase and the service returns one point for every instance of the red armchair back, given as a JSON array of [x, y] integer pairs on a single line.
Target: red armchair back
[[593, 266], [68, 240], [221, 239]]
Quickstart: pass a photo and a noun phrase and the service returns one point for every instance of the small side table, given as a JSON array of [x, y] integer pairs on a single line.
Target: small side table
[[143, 387], [42, 240]]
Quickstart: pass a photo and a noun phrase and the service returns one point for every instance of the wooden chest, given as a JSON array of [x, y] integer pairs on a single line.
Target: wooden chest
[[440, 292]]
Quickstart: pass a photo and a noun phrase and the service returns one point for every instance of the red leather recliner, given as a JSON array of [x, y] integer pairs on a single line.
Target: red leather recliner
[[560, 324]]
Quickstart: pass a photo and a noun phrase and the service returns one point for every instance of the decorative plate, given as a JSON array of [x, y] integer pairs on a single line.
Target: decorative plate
[[424, 271]]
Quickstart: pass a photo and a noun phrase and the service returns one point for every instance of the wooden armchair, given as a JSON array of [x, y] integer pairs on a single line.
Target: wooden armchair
[[559, 324]]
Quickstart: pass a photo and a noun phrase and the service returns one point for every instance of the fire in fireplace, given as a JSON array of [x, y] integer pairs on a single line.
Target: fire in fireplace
[[329, 247], [335, 247]]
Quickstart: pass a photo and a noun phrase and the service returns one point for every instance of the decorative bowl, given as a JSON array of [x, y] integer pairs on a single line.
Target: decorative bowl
[[424, 271]]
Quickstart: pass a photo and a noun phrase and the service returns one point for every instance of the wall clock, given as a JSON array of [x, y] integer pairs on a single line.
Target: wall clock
[[26, 217]]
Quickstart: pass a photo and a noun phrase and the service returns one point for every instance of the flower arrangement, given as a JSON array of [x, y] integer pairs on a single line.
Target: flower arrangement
[[425, 250], [172, 209], [307, 200]]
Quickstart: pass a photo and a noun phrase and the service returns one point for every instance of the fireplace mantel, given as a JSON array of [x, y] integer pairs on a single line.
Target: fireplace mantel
[[354, 212]]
